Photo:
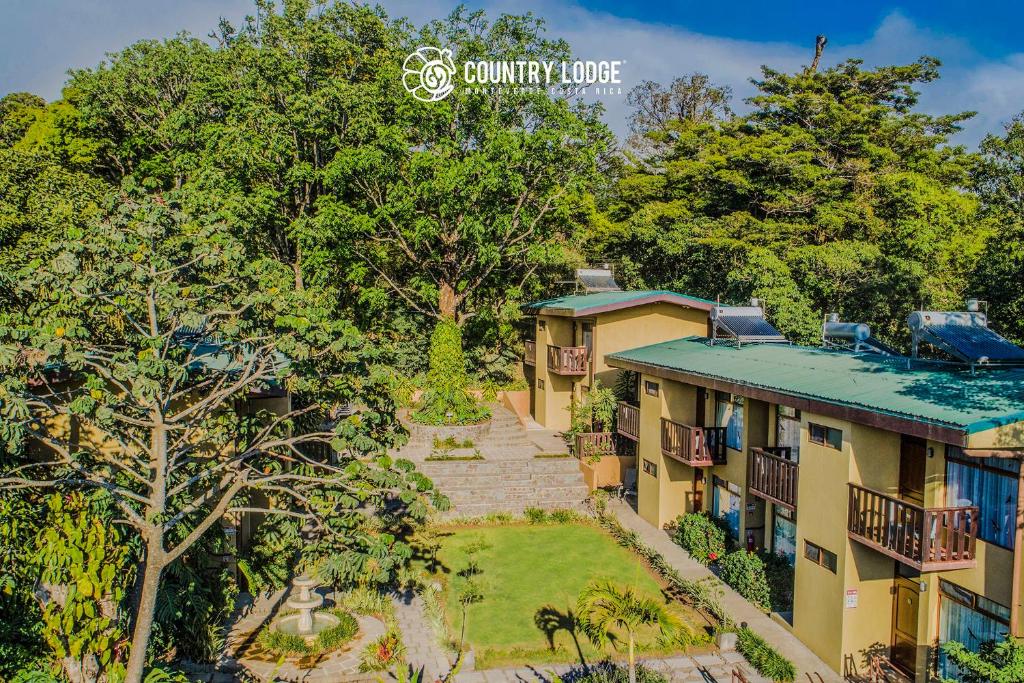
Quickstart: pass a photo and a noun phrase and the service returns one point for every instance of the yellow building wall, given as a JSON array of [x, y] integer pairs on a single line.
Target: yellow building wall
[[629, 328], [663, 499], [867, 628], [552, 403]]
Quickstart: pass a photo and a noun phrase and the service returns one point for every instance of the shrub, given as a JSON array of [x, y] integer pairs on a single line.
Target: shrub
[[286, 644], [336, 636], [280, 643], [450, 443], [445, 400], [779, 573], [997, 661], [564, 516], [610, 672], [698, 535], [535, 515], [763, 657], [744, 571]]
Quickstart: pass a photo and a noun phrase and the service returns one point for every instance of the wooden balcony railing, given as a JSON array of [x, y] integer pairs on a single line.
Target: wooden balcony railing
[[530, 353], [594, 444], [928, 539], [695, 446], [773, 476], [567, 360], [627, 421]]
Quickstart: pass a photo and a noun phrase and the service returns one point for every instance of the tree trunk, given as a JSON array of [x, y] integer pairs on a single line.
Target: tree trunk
[[447, 303], [154, 563], [632, 660]]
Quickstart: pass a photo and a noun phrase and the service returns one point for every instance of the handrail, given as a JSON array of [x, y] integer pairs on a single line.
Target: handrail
[[567, 360], [773, 476], [594, 444], [695, 446], [927, 539], [627, 420]]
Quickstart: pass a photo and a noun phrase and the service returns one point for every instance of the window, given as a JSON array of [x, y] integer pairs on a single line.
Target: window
[[826, 436], [650, 468], [542, 324], [967, 618], [650, 388], [725, 504], [787, 430], [729, 414], [784, 534], [820, 556], [989, 483], [540, 383]]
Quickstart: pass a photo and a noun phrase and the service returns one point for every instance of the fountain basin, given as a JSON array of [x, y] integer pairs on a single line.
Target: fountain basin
[[291, 625]]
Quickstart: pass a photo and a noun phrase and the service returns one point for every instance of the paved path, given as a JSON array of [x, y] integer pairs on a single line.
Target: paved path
[[706, 668], [782, 640], [421, 647]]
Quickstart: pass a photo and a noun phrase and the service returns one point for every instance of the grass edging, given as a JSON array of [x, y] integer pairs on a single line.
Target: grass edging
[[763, 657], [703, 596]]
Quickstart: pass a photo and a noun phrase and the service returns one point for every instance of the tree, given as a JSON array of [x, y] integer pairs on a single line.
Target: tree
[[657, 109], [833, 194], [1000, 184], [453, 205], [139, 358], [995, 662], [249, 123], [604, 607]]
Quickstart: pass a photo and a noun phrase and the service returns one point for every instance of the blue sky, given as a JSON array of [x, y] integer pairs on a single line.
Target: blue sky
[[980, 47]]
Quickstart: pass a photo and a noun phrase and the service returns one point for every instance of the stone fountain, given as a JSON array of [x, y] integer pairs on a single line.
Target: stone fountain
[[307, 623]]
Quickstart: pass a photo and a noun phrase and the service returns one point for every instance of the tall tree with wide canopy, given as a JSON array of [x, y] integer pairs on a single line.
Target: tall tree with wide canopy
[[133, 361], [453, 205], [832, 194], [247, 124], [1000, 185]]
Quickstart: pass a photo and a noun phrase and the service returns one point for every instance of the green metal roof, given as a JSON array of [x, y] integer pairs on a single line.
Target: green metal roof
[[599, 302], [928, 392]]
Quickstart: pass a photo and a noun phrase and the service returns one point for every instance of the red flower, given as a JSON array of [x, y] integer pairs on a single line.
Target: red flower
[[712, 556]]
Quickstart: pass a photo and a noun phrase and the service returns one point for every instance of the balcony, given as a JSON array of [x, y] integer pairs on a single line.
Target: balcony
[[594, 444], [530, 353], [627, 421], [773, 475], [927, 539], [567, 360], [694, 446]]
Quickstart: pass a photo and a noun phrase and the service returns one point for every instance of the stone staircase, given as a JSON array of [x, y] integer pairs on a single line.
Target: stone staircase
[[508, 479]]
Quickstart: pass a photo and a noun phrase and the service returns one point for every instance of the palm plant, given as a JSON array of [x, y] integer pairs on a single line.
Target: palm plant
[[604, 608]]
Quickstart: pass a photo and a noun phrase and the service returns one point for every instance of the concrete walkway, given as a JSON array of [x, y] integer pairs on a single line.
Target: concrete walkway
[[421, 647], [781, 639]]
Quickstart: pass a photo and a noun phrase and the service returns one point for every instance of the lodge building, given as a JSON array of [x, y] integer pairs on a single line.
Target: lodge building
[[890, 483]]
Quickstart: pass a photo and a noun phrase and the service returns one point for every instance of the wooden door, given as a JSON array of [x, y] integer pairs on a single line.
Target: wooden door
[[906, 595], [913, 461]]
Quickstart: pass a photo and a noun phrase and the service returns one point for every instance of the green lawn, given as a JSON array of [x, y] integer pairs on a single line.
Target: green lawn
[[533, 573]]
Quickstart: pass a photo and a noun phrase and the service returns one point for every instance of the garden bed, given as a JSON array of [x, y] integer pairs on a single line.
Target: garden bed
[[528, 578]]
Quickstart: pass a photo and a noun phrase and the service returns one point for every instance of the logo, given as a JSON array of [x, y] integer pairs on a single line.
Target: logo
[[428, 74]]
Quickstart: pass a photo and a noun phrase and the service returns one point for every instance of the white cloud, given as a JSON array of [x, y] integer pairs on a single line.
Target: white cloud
[[39, 41]]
